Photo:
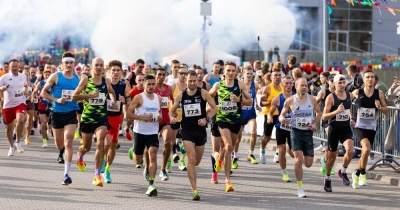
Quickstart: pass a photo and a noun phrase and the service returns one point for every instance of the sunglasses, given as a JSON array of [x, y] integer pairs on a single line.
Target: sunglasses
[[182, 73]]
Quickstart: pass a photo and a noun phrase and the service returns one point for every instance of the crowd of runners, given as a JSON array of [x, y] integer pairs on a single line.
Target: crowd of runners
[[94, 102]]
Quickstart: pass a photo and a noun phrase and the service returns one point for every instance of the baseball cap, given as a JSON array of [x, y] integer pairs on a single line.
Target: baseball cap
[[330, 77], [124, 67], [339, 77], [77, 67], [41, 68]]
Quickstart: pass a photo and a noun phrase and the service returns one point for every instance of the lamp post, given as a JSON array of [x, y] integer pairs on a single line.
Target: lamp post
[[205, 11]]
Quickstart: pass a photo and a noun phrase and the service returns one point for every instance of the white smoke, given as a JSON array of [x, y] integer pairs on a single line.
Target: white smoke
[[127, 30]]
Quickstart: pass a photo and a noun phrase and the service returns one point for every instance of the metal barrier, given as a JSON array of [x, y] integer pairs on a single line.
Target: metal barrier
[[387, 153]]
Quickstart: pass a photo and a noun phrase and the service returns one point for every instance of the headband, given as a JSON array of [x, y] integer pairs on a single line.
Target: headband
[[68, 59]]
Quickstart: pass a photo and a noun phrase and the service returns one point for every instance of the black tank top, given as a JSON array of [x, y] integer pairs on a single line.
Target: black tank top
[[342, 119], [193, 109], [364, 101]]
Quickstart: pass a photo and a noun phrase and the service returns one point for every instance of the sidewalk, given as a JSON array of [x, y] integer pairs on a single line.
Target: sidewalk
[[384, 174]]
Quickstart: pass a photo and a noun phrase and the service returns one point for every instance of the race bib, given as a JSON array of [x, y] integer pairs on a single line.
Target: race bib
[[109, 106], [155, 117], [67, 94], [18, 93], [344, 116], [303, 122], [286, 127], [192, 110], [164, 102], [228, 106], [367, 113], [98, 101]]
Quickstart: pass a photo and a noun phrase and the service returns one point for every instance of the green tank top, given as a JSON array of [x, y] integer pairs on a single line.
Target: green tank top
[[94, 109], [228, 111]]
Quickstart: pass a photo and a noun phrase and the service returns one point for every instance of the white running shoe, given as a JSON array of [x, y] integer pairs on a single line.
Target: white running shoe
[[11, 151], [301, 193], [163, 176], [320, 148], [19, 147], [276, 158], [263, 159]]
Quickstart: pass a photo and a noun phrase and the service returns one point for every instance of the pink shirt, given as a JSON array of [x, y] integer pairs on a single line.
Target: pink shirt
[[14, 95]]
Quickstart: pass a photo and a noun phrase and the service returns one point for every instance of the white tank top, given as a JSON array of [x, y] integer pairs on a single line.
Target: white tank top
[[302, 115], [171, 80], [148, 107]]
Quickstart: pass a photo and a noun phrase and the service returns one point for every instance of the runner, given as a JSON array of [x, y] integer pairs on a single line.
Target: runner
[[213, 77], [282, 130], [94, 117], [200, 83], [194, 135], [131, 77], [137, 89], [165, 130], [337, 113], [173, 77], [78, 134], [179, 86], [63, 115], [114, 117], [230, 96], [268, 93], [369, 102], [248, 117], [145, 109], [302, 107], [14, 88]]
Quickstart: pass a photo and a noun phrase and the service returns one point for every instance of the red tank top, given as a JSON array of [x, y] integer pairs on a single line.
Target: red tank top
[[135, 91], [164, 103]]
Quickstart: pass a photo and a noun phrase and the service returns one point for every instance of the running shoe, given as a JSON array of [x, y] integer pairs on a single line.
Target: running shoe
[[323, 166], [195, 195], [27, 140], [11, 151], [120, 133], [151, 191], [66, 180], [252, 159], [276, 158], [81, 166], [76, 135], [146, 174], [333, 171], [301, 193], [286, 178], [263, 159], [356, 180], [163, 175], [175, 158], [32, 132], [98, 181], [327, 185], [60, 159], [19, 147], [182, 166], [118, 146], [107, 177], [169, 168], [128, 135], [344, 178], [363, 180], [130, 153], [319, 148], [218, 165], [139, 165], [44, 145], [214, 178], [229, 187], [234, 163]]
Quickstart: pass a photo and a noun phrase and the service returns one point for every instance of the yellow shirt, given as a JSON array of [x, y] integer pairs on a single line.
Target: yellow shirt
[[179, 109], [273, 93]]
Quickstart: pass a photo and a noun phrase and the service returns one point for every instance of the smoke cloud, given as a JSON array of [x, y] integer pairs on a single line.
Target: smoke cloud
[[151, 29]]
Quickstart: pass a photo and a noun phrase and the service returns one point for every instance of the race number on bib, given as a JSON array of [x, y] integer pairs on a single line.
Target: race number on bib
[[192, 110], [286, 127], [18, 93], [344, 116], [367, 113], [155, 116], [164, 102], [67, 94], [303, 122], [110, 107], [228, 106], [98, 101]]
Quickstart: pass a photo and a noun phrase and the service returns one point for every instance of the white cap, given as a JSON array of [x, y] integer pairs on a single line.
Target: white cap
[[124, 67], [339, 77]]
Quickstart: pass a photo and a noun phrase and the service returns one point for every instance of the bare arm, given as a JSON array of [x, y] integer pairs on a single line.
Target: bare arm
[[206, 78], [211, 103], [286, 108], [317, 111], [328, 105], [51, 81], [136, 103], [264, 95], [214, 90], [245, 92], [172, 112], [383, 107], [111, 91], [77, 95], [320, 95], [274, 106]]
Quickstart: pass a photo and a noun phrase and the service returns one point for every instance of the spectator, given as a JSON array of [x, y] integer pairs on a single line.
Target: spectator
[[356, 78]]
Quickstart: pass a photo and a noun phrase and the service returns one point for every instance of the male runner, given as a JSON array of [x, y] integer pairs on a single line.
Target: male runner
[[230, 97], [173, 77], [94, 117], [63, 116], [303, 108], [145, 109], [369, 102], [137, 89], [200, 83], [213, 77], [194, 135]]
